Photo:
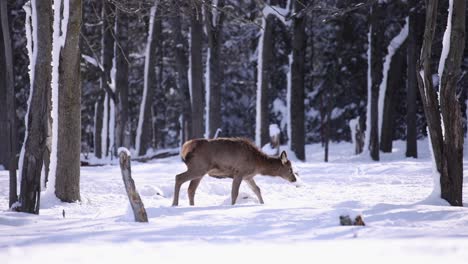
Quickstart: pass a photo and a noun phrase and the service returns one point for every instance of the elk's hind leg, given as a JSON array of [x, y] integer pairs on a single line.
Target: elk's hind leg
[[192, 189], [181, 179], [255, 189]]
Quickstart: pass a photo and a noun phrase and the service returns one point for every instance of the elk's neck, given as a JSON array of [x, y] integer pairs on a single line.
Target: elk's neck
[[269, 166]]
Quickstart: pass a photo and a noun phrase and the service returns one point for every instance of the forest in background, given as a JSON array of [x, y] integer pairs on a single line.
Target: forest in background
[[154, 74], [335, 72]]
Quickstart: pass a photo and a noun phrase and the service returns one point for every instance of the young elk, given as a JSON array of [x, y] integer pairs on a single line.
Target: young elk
[[229, 158]]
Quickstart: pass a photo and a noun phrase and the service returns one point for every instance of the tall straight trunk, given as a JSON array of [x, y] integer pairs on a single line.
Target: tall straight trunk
[[98, 124], [144, 130], [7, 96], [296, 102], [214, 20], [67, 181], [264, 64], [411, 93], [452, 181], [394, 81], [182, 80], [196, 72], [7, 100], [446, 141], [122, 126], [101, 134], [31, 160], [376, 77]]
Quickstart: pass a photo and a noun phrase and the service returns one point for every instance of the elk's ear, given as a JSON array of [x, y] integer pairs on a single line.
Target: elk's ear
[[284, 157]]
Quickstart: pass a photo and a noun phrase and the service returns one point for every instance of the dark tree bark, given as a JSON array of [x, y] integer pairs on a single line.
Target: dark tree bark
[[182, 79], [376, 20], [37, 118], [107, 53], [411, 94], [98, 119], [7, 96], [394, 82], [214, 20], [296, 107], [196, 66], [263, 80], [67, 182], [153, 51], [122, 126], [447, 146], [452, 181], [8, 138]]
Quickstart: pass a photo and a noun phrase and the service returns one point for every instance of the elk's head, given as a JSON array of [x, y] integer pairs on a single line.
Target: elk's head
[[286, 171]]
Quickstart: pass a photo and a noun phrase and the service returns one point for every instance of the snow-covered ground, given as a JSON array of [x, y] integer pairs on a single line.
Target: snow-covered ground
[[294, 224]]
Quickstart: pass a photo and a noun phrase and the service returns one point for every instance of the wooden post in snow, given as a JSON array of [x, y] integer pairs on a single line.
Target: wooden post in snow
[[137, 205]]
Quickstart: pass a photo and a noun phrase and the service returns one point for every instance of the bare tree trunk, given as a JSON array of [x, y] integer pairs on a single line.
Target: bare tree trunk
[[264, 63], [196, 71], [182, 79], [447, 146], [122, 126], [98, 122], [452, 181], [107, 53], [411, 94], [296, 107], [394, 81], [214, 20], [35, 141], [376, 76], [67, 185], [144, 135], [7, 100]]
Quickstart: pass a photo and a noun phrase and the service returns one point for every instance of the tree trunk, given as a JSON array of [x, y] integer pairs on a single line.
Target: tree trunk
[[101, 133], [67, 185], [36, 119], [426, 89], [446, 142], [214, 20], [196, 71], [411, 93], [138, 208], [7, 93], [264, 63], [122, 126], [182, 79], [296, 106], [452, 180], [394, 81], [98, 124], [7, 99], [376, 21], [144, 131]]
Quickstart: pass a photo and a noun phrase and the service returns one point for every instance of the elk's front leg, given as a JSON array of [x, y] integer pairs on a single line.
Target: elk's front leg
[[255, 189], [236, 182]]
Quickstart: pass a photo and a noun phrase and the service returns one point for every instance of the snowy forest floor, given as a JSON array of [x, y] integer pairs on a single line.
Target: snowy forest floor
[[294, 224]]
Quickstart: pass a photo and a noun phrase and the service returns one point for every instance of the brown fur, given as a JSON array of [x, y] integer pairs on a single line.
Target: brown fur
[[235, 158], [188, 147]]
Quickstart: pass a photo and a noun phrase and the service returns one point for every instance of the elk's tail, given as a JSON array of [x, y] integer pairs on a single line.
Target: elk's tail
[[188, 148]]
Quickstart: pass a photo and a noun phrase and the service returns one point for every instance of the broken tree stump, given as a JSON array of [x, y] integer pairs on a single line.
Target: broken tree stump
[[345, 220], [138, 208]]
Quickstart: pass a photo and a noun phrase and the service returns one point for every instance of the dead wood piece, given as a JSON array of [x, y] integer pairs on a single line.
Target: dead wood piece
[[138, 208]]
